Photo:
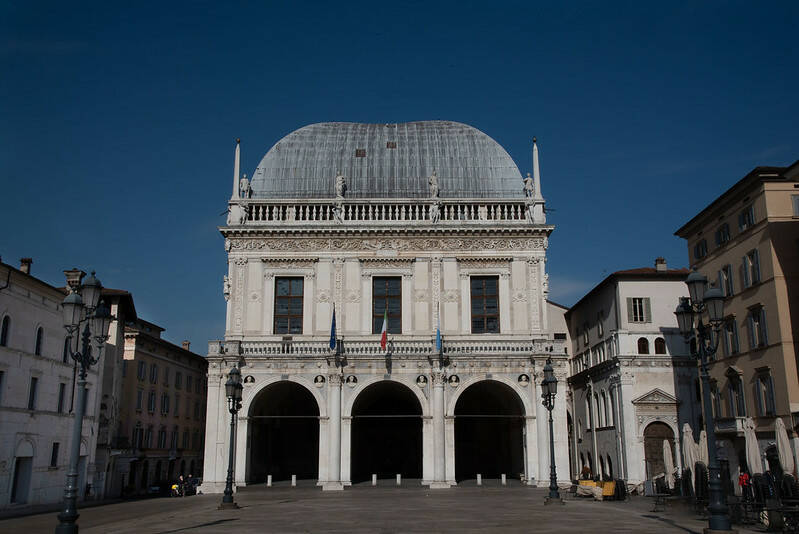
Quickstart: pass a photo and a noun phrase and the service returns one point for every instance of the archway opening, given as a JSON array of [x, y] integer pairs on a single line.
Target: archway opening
[[283, 433], [654, 435], [386, 433], [489, 432]]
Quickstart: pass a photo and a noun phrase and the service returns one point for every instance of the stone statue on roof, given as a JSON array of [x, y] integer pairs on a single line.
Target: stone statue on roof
[[244, 187], [433, 181], [341, 185], [529, 188]]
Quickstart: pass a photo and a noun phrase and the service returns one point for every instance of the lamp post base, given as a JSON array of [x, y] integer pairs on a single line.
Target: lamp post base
[[229, 506], [714, 531], [558, 500]]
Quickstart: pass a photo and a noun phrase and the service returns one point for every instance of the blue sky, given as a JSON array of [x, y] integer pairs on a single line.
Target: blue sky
[[117, 123]]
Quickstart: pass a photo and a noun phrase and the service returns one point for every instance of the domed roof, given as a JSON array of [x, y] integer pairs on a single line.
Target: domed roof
[[387, 161]]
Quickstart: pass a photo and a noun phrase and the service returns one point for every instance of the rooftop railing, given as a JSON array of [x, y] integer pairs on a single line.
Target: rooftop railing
[[376, 211]]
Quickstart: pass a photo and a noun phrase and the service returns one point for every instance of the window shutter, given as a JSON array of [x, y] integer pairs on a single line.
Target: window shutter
[[770, 404], [761, 402], [629, 309], [755, 267], [647, 311], [745, 270], [763, 327], [751, 323], [740, 221], [721, 283], [727, 345], [730, 280]]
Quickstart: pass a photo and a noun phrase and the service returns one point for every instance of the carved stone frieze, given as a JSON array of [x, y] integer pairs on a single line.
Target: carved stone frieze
[[513, 244], [520, 295]]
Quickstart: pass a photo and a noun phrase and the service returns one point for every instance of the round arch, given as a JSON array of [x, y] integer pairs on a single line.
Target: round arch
[[362, 385], [25, 449], [251, 393], [522, 394], [489, 431], [655, 433], [386, 433], [282, 432]]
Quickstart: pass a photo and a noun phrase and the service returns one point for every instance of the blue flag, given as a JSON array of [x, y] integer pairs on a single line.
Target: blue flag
[[333, 330], [438, 332]]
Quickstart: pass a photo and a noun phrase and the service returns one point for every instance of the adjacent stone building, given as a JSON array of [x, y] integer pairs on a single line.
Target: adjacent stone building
[[632, 385], [37, 392], [162, 410], [426, 227], [747, 243]]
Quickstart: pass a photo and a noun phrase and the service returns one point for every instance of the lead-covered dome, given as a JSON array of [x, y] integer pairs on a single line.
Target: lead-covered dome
[[387, 161]]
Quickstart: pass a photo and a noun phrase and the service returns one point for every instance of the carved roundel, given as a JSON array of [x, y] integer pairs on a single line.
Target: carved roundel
[[421, 381], [249, 379], [352, 381], [524, 380], [319, 381], [454, 381]]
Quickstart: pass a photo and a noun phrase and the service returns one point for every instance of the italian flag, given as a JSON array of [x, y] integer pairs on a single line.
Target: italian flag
[[384, 332]]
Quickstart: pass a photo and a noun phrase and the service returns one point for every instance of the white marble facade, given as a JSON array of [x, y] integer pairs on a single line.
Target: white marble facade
[[433, 243]]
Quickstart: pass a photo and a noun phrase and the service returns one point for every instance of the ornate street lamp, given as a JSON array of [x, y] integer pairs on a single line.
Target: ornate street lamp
[[690, 314], [549, 387], [81, 308], [233, 389]]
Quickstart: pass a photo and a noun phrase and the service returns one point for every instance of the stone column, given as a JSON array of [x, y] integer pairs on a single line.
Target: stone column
[[334, 429], [439, 444]]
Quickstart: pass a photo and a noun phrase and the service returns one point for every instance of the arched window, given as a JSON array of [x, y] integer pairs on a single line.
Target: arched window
[[65, 356], [643, 345], [579, 429], [598, 411], [37, 348], [4, 331], [605, 418], [588, 419], [610, 468], [660, 346]]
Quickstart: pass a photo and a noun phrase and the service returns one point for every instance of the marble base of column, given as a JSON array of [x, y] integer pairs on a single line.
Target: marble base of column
[[439, 485], [332, 486]]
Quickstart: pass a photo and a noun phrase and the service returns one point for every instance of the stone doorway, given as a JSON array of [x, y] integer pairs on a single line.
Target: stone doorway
[[283, 434], [489, 437], [386, 433]]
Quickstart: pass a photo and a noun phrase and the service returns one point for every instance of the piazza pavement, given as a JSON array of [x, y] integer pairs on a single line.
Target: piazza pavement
[[384, 509]]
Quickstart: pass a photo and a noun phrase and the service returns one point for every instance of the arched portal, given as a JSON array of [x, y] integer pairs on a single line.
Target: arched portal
[[654, 435], [386, 432], [283, 434], [489, 438]]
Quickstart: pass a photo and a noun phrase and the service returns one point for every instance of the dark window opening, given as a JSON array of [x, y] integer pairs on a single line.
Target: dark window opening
[[485, 304], [387, 302], [288, 305]]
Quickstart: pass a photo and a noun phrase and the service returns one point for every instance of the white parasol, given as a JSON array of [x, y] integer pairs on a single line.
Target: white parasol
[[753, 459], [703, 454], [690, 451], [783, 446], [668, 463]]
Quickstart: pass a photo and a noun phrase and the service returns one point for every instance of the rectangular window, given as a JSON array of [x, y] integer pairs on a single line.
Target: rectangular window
[[288, 305], [485, 304], [164, 403], [735, 390], [730, 333], [795, 201], [387, 300], [148, 438], [62, 389], [151, 402], [166, 376], [189, 379], [32, 393], [585, 334], [750, 266], [722, 234], [700, 249], [177, 405], [725, 281], [153, 374], [764, 393], [639, 310], [173, 441], [746, 219], [758, 334], [141, 371], [139, 399], [162, 439], [715, 399], [54, 454], [178, 380]]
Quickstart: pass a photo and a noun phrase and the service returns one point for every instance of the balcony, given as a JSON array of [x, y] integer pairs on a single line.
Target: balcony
[[371, 212], [355, 347], [730, 426]]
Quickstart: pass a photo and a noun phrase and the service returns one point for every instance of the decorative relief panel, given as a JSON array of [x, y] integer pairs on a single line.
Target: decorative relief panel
[[450, 295], [513, 244]]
